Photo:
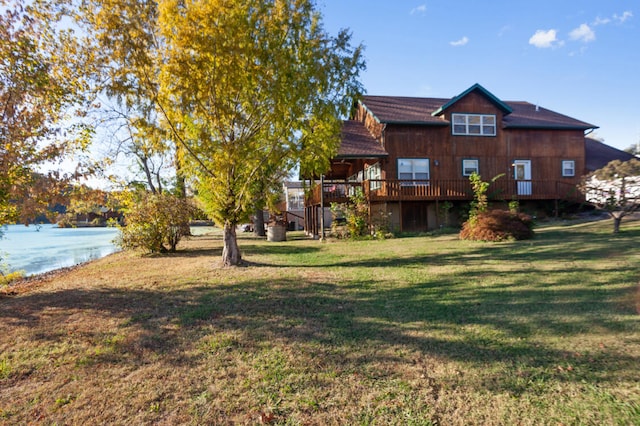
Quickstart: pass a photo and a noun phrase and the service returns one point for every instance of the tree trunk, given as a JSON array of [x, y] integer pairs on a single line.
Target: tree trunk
[[181, 185], [144, 163], [230, 251], [258, 224], [616, 224]]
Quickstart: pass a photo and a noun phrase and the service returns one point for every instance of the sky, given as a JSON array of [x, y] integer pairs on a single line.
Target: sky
[[577, 58]]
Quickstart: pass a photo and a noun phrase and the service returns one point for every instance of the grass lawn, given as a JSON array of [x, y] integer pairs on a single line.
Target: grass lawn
[[423, 330]]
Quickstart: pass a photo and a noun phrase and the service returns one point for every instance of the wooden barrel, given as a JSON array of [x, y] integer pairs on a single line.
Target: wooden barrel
[[276, 233]]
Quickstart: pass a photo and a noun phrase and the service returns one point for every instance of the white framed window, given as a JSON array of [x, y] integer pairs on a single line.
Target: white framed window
[[568, 168], [416, 169], [356, 177], [474, 124], [470, 166], [374, 174], [295, 199]]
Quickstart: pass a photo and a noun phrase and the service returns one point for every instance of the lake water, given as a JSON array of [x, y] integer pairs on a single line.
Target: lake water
[[44, 248]]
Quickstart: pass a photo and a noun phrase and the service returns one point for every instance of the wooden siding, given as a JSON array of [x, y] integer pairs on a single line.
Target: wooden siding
[[371, 123], [495, 154]]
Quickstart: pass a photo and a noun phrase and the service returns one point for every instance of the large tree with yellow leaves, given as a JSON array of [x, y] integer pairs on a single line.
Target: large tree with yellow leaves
[[245, 87]]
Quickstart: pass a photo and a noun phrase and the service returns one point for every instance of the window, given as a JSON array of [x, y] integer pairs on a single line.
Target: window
[[470, 166], [357, 177], [295, 198], [568, 168], [373, 173], [474, 124], [413, 169]]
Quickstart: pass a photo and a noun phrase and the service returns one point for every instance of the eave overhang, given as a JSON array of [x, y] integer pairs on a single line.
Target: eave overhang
[[506, 109]]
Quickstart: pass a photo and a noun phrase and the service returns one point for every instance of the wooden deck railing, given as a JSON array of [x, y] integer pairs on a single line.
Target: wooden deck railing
[[441, 190]]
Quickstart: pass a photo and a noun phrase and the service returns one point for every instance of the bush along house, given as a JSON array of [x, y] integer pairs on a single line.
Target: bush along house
[[412, 157]]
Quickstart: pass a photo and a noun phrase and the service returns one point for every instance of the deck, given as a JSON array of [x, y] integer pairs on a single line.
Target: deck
[[379, 191]]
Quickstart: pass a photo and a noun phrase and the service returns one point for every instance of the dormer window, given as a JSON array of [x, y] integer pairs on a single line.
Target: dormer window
[[474, 124]]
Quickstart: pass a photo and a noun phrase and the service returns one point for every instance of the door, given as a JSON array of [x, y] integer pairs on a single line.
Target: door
[[522, 175], [414, 217]]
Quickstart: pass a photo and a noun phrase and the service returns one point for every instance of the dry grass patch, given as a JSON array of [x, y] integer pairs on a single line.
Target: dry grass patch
[[425, 330]]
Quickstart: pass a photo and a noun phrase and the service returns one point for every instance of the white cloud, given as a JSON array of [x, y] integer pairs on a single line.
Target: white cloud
[[422, 9], [464, 40], [601, 21], [583, 33], [545, 39], [625, 15]]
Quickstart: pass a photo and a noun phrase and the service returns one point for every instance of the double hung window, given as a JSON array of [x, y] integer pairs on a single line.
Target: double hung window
[[474, 124], [568, 168], [413, 169], [470, 166]]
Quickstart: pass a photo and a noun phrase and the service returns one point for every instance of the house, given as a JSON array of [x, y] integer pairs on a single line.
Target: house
[[411, 155]]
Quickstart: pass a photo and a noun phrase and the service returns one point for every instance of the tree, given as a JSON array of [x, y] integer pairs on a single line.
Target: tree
[[480, 203], [124, 36], [244, 87], [42, 87], [85, 202], [633, 149], [615, 188], [268, 194], [253, 85]]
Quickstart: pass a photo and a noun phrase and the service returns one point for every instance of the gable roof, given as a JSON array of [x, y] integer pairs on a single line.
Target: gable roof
[[357, 142], [598, 154], [475, 88], [428, 112]]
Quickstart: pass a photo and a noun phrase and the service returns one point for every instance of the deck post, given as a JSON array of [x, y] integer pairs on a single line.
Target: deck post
[[369, 208], [322, 208]]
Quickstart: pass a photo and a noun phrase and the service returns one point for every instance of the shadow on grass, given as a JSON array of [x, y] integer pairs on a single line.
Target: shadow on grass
[[453, 317], [431, 318]]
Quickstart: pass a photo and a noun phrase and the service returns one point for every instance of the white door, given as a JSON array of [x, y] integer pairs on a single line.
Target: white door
[[522, 175]]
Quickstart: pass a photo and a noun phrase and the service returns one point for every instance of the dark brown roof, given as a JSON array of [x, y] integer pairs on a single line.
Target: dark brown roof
[[599, 155], [407, 110], [399, 109], [357, 142], [526, 115]]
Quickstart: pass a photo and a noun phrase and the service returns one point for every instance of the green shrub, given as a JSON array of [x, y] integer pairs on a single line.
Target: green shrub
[[351, 219], [155, 223], [498, 225], [358, 214], [381, 225]]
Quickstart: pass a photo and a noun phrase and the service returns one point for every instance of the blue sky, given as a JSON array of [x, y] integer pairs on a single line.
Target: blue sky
[[578, 58]]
